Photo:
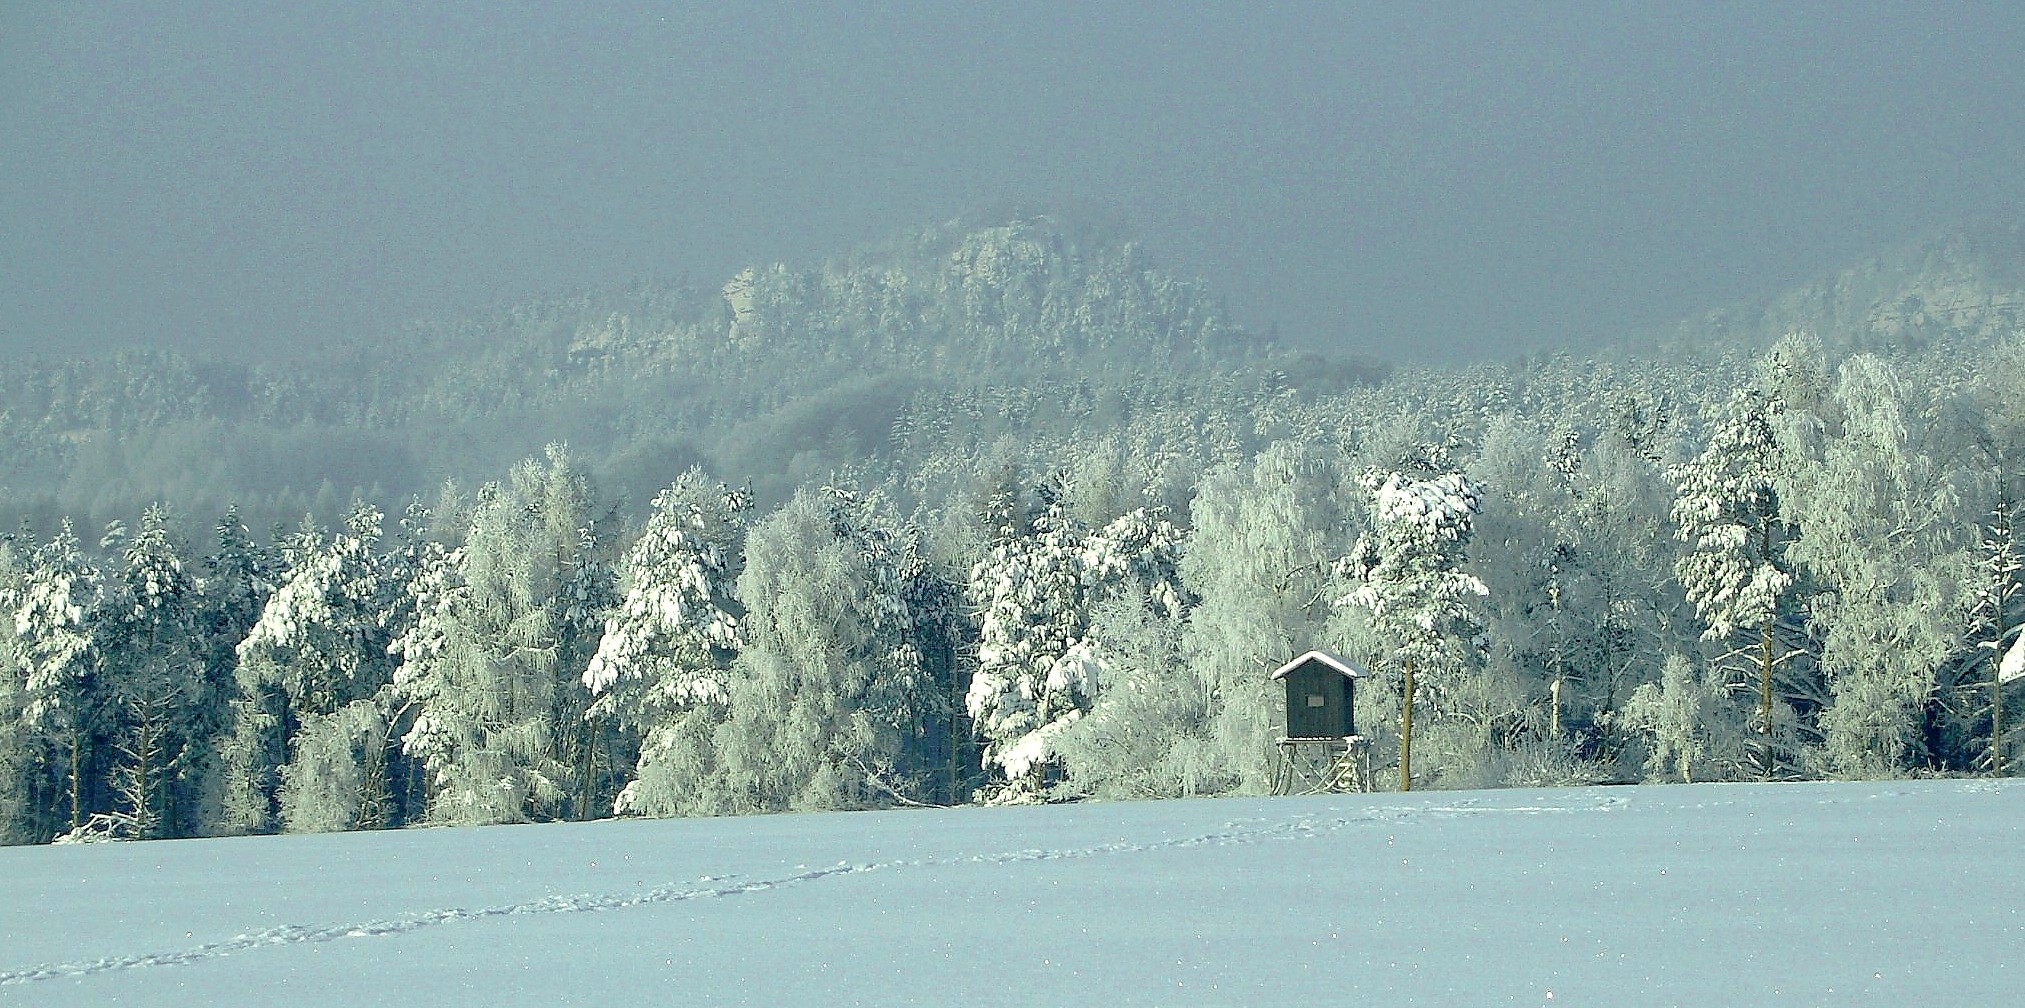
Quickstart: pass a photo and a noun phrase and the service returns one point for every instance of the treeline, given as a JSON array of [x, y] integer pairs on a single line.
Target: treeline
[[1797, 565]]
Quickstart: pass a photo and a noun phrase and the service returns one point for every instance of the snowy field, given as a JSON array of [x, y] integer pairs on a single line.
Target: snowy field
[[1895, 893]]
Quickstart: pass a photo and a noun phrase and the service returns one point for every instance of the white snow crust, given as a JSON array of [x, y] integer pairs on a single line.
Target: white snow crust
[[1894, 893]]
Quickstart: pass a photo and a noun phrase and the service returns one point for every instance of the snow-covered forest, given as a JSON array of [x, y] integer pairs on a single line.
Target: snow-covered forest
[[998, 514]]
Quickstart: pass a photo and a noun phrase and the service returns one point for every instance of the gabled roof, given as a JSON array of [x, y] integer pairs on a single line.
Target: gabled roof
[[1348, 670]]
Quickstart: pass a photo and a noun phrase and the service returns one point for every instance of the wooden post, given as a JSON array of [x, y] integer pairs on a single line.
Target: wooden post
[[587, 766], [1554, 687], [76, 781], [1765, 657], [1997, 709], [955, 740], [1554, 691], [1406, 733]]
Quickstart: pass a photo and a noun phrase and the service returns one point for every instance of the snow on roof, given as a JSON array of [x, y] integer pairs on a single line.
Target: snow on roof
[[1347, 669]]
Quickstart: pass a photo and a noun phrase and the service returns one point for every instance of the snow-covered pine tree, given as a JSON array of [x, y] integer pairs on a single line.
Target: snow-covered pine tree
[[151, 668], [54, 621], [1998, 615], [1411, 583], [589, 596], [667, 646], [22, 760], [320, 645], [1728, 508], [1992, 429]]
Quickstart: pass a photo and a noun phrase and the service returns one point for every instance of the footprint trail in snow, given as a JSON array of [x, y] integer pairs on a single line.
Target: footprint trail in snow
[[1244, 831]]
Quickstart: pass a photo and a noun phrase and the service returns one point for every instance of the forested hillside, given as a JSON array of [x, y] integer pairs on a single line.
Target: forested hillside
[[996, 513]]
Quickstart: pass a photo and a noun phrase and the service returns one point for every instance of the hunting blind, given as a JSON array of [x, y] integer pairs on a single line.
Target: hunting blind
[[1321, 750]]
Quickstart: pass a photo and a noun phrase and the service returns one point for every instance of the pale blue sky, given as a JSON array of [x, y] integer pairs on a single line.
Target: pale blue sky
[[1459, 178]]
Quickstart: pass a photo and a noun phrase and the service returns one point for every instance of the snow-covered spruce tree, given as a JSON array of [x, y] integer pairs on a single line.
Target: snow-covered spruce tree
[[1124, 659], [17, 741], [1414, 590], [666, 649], [1038, 670], [239, 575], [1728, 508], [1027, 590], [54, 620], [933, 598], [23, 760], [1876, 518], [493, 664], [319, 646], [152, 673]]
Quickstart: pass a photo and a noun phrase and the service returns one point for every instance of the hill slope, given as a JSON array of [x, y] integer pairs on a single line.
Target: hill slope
[[1962, 284], [780, 375]]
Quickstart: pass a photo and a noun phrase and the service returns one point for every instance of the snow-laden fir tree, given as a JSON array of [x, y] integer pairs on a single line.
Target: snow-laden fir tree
[[1995, 432], [21, 757], [666, 648], [1412, 585], [1028, 593], [1144, 733], [1728, 509], [1037, 671], [1998, 616]]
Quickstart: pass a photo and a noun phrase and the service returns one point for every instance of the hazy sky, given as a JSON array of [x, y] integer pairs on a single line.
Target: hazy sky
[[1411, 180]]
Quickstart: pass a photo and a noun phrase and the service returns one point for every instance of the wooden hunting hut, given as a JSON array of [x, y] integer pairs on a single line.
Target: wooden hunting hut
[[1321, 690]]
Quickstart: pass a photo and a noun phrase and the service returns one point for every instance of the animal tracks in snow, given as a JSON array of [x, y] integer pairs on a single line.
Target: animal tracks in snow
[[1234, 832]]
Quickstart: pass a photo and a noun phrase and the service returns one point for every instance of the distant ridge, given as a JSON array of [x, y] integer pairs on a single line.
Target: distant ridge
[[1965, 283]]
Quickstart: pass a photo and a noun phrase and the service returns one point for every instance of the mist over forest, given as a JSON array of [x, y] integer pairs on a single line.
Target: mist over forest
[[999, 510]]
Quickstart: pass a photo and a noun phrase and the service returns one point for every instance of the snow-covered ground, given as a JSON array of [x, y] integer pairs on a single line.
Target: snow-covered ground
[[1706, 895]]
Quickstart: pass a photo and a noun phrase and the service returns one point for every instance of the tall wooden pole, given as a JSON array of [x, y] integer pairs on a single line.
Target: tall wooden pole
[[1765, 653], [1997, 705], [1997, 657], [76, 781], [1406, 733], [587, 766], [1765, 683]]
